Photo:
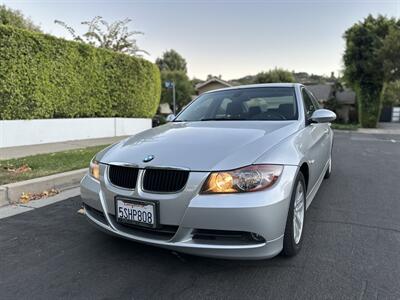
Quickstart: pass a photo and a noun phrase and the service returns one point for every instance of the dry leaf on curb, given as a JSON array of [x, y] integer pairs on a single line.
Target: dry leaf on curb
[[26, 197], [81, 211]]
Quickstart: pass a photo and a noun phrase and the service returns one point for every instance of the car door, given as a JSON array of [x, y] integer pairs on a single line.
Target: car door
[[328, 137], [317, 139]]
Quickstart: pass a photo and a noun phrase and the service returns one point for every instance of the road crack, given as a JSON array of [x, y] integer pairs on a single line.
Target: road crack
[[357, 224]]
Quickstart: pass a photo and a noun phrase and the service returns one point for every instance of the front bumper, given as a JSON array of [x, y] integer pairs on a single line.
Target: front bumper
[[263, 213]]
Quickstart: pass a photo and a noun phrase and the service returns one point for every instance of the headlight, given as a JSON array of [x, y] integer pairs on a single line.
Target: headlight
[[247, 179], [94, 169]]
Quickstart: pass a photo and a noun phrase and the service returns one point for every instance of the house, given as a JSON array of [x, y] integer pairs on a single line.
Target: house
[[165, 109], [345, 100], [323, 92], [213, 83]]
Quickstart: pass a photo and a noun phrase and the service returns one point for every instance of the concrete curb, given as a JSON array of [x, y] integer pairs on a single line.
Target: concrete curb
[[369, 131], [379, 131], [3, 196], [16, 209], [11, 193]]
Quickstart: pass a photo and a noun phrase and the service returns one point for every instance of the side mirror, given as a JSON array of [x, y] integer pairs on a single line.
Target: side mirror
[[323, 116], [170, 118]]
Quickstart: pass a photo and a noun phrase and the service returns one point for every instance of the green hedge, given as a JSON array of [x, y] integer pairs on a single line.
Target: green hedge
[[45, 77]]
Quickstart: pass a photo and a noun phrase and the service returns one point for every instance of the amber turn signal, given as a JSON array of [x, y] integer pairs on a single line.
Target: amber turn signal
[[94, 169]]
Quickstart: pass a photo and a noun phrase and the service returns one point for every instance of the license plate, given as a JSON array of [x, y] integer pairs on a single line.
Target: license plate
[[136, 212]]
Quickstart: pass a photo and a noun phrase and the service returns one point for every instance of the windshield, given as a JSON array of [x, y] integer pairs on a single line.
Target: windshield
[[267, 103]]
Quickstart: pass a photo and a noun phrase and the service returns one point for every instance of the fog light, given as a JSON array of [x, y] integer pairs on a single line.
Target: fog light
[[257, 237]]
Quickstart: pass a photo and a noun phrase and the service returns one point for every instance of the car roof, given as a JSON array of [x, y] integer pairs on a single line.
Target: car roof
[[247, 86]]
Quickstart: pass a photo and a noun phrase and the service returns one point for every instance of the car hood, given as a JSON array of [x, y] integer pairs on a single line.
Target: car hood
[[200, 146]]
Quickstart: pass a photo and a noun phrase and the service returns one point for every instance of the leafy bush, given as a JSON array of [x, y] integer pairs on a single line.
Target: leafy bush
[[15, 18], [45, 77]]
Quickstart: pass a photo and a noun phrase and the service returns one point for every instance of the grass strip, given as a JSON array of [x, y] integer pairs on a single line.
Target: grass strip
[[19, 169]]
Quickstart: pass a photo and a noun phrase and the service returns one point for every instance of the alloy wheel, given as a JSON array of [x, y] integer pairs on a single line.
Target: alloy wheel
[[298, 213]]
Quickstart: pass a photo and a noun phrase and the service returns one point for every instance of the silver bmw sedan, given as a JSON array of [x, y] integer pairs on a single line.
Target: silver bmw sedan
[[231, 176]]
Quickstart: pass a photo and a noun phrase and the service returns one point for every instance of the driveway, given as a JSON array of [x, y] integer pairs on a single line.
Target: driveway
[[351, 246]]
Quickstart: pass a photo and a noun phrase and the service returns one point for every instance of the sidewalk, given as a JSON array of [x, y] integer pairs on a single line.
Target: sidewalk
[[22, 151], [383, 128]]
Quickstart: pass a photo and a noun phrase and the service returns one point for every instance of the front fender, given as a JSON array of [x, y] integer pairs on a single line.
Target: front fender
[[290, 151]]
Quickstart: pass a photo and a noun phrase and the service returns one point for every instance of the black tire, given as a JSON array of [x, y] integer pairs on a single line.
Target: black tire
[[290, 247], [329, 170]]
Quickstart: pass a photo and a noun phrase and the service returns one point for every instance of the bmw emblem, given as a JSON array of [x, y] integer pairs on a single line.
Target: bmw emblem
[[148, 158]]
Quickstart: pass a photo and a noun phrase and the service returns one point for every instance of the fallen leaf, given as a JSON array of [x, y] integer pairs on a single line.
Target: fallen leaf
[[26, 197], [22, 169], [81, 211]]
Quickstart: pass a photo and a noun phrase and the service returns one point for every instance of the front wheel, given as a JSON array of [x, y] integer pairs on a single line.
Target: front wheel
[[293, 237], [329, 170]]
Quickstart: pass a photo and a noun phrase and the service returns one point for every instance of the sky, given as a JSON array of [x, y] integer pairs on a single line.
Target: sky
[[221, 37]]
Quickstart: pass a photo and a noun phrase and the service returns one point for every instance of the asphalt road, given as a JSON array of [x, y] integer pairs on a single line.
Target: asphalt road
[[351, 246]]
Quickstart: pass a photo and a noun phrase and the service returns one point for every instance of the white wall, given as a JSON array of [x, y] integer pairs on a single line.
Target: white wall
[[31, 132], [396, 114]]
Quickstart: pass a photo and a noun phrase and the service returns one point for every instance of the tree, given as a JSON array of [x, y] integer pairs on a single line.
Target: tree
[[275, 75], [248, 79], [183, 88], [171, 61], [390, 53], [195, 81], [16, 18], [364, 70], [115, 36], [391, 94]]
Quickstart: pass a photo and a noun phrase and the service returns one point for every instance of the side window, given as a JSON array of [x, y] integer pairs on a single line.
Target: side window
[[308, 103], [314, 100]]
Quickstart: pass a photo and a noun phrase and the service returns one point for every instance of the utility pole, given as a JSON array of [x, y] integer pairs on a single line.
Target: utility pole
[[173, 98], [171, 85]]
